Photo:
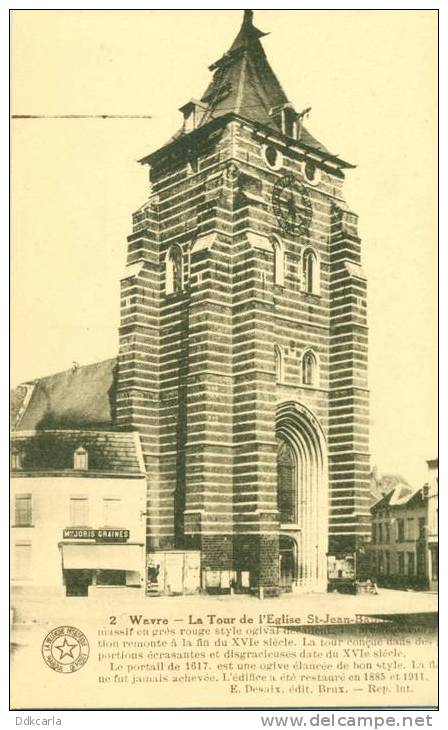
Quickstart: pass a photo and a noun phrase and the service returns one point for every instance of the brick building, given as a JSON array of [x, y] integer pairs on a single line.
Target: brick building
[[242, 360], [243, 337]]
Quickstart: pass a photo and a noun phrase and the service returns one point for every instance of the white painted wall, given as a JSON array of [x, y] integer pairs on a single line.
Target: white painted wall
[[51, 514]]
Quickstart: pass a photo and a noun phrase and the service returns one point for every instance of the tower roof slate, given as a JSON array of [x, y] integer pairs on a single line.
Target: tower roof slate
[[245, 85]]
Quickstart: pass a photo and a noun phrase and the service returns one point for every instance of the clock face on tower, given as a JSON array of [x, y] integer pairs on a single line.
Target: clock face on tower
[[292, 205]]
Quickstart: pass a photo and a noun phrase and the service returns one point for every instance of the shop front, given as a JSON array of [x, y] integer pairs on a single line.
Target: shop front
[[97, 560]]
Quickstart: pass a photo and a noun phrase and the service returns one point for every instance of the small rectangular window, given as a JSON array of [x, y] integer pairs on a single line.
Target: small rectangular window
[[23, 510], [112, 513], [79, 511], [22, 560]]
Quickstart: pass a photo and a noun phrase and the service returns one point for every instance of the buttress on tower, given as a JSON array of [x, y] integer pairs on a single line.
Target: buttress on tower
[[243, 339]]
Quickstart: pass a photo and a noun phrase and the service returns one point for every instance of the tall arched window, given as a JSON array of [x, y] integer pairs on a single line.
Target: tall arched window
[[173, 270], [310, 272], [278, 358], [286, 483], [309, 368], [279, 261]]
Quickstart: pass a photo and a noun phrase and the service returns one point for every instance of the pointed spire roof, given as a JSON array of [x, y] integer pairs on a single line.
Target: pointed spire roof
[[248, 32], [245, 84]]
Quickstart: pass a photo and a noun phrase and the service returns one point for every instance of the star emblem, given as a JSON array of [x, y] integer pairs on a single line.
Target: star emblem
[[66, 649]]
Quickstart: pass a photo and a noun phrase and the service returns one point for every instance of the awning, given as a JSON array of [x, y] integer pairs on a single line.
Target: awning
[[103, 557]]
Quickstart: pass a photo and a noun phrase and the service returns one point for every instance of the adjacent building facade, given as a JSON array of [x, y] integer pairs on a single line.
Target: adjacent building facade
[[78, 496], [404, 549], [242, 365]]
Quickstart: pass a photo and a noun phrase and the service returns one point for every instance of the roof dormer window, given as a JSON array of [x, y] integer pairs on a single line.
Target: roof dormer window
[[193, 112], [287, 119], [81, 459]]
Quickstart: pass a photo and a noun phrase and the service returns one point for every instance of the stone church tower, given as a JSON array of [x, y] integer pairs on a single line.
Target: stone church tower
[[243, 337]]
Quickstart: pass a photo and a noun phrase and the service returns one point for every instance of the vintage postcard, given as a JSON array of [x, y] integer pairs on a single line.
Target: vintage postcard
[[224, 468]]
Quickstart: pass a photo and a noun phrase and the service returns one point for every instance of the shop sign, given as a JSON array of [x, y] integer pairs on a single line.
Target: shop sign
[[104, 535]]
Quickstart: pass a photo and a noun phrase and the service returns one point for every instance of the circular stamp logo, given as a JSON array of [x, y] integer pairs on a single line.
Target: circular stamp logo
[[65, 649]]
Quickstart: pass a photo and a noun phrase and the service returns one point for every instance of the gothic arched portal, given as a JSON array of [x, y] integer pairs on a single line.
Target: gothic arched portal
[[302, 497]]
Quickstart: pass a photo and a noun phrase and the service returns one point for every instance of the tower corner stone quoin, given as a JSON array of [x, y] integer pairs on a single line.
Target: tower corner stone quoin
[[243, 339]]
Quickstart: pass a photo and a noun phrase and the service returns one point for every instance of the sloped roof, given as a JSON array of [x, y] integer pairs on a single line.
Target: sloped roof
[[108, 452], [245, 84], [17, 402], [400, 495], [80, 398]]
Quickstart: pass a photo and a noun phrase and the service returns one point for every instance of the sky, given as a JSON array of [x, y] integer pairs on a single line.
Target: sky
[[371, 80]]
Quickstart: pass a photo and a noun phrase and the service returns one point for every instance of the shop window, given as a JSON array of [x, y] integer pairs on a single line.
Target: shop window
[[112, 512], [22, 559], [23, 510], [173, 270], [81, 459], [111, 578], [79, 511], [310, 272], [279, 261], [278, 358], [309, 369]]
